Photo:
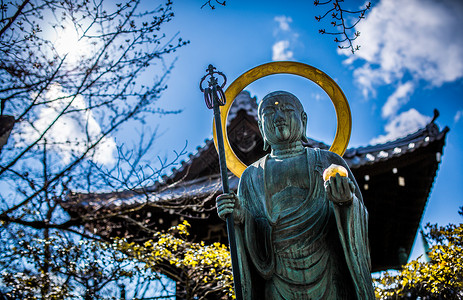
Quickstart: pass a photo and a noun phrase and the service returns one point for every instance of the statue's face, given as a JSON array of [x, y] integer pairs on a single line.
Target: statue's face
[[282, 119]]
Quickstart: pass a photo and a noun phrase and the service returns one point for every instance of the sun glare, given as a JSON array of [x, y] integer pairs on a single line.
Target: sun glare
[[69, 42]]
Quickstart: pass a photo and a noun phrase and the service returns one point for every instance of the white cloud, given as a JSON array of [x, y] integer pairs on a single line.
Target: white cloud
[[285, 39], [280, 51], [397, 99], [413, 41], [418, 38], [401, 125], [317, 96], [458, 116], [72, 133], [283, 22]]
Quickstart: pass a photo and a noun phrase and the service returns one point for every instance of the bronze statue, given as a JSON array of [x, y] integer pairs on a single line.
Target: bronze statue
[[298, 237]]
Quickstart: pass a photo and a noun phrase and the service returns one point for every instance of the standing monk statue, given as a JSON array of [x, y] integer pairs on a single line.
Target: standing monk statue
[[298, 236]]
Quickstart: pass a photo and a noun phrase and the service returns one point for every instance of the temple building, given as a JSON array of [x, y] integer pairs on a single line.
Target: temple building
[[395, 179]]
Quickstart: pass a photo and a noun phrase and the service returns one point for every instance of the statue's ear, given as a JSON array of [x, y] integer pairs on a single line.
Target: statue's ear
[[263, 135], [304, 127]]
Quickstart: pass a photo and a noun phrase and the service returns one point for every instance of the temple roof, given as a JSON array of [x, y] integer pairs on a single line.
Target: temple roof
[[395, 179]]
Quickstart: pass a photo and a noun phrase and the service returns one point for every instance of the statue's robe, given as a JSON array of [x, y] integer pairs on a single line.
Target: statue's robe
[[296, 244]]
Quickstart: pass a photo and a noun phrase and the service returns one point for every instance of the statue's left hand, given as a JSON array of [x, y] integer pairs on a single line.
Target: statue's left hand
[[340, 189]]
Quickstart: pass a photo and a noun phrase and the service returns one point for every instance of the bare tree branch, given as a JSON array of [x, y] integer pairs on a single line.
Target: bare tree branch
[[212, 6], [13, 18], [69, 103], [340, 17]]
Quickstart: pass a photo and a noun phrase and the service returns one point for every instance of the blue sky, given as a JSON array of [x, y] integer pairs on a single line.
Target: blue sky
[[410, 62]]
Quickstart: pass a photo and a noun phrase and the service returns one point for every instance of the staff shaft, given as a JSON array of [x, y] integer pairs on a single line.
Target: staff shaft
[[226, 189]]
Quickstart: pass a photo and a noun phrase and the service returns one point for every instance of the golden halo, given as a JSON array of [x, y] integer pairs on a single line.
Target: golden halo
[[343, 115]]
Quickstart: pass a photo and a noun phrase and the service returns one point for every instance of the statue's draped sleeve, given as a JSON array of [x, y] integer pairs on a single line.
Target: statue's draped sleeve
[[255, 249], [352, 223]]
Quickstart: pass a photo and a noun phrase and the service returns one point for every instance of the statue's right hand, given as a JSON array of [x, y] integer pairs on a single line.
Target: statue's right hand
[[227, 204]]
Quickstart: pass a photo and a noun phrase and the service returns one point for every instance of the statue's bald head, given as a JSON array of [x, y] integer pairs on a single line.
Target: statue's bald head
[[279, 96], [281, 118]]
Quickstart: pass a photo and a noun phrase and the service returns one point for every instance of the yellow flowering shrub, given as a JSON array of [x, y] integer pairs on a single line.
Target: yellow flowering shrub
[[440, 278], [198, 269]]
